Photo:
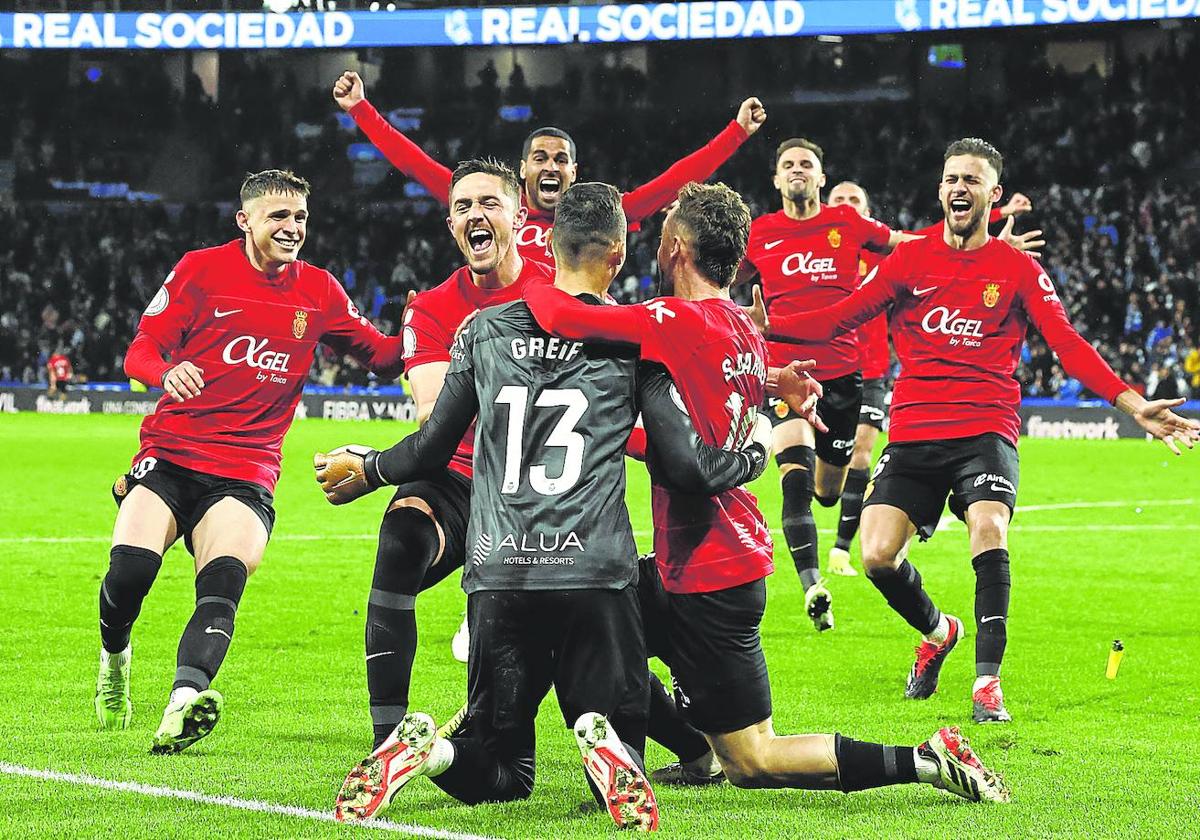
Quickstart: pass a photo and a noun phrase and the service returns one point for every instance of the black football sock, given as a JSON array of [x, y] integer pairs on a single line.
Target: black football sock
[[131, 573], [852, 501], [862, 765], [904, 593], [992, 587], [799, 529], [667, 726], [408, 544], [478, 775], [205, 641]]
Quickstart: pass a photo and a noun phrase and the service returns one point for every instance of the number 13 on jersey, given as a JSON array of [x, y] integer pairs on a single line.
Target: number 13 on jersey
[[563, 436]]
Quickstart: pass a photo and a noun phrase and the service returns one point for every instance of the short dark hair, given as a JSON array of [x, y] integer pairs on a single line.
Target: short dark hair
[[488, 166], [277, 181], [589, 217], [861, 188], [800, 143], [547, 131], [976, 148], [718, 223]]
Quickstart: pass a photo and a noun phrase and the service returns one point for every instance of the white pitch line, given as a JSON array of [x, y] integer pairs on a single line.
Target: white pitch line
[[946, 522], [256, 805]]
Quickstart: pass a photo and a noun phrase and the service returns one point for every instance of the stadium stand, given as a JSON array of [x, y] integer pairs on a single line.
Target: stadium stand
[[116, 171]]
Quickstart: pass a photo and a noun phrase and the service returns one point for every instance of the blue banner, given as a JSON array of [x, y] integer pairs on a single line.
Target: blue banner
[[557, 24]]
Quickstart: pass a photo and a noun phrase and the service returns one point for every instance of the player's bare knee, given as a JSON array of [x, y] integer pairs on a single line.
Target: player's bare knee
[[880, 556], [746, 771], [989, 529]]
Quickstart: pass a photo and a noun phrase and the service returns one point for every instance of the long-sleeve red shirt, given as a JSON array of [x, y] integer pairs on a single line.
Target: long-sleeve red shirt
[[533, 240], [958, 320]]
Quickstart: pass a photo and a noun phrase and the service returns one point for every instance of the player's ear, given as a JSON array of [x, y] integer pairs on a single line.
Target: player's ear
[[521, 215], [521, 171], [997, 192], [821, 183], [243, 220], [450, 225]]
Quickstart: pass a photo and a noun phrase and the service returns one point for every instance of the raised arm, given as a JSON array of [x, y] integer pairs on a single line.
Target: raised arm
[[676, 457], [656, 194], [401, 152], [560, 314]]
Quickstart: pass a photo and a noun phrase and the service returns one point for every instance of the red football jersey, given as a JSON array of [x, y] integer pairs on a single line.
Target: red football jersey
[[872, 337], [61, 366], [430, 322], [254, 339], [719, 363], [958, 320], [808, 265]]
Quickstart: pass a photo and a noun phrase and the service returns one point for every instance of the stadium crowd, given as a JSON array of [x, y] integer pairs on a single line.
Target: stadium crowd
[[1094, 153]]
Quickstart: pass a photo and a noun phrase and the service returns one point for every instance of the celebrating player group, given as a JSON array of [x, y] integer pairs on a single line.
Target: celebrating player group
[[531, 387]]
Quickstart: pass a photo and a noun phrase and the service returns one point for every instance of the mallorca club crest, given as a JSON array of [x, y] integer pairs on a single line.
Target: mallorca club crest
[[121, 487], [835, 238], [781, 409], [991, 295], [300, 324]]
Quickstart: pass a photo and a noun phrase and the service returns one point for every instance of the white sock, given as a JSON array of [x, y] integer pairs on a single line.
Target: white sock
[[940, 633], [706, 764], [441, 756], [114, 660], [182, 695], [927, 768], [980, 682]]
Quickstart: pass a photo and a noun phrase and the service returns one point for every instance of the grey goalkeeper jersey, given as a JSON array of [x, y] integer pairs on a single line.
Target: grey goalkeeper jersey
[[548, 494]]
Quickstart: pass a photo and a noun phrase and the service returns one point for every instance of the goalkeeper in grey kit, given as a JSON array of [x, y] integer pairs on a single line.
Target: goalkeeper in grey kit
[[551, 572]]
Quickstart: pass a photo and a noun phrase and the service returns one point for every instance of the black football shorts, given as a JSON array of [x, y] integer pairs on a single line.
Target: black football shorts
[[874, 409], [839, 409], [917, 477], [189, 494]]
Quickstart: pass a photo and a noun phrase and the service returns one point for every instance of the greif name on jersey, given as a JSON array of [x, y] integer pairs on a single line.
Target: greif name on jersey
[[744, 364], [555, 349]]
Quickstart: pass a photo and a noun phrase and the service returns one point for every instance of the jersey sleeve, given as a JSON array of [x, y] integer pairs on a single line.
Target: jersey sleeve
[[431, 447], [565, 316], [874, 234], [426, 337], [675, 456], [174, 308], [1079, 358], [698, 166], [144, 361], [876, 292], [348, 332], [402, 152]]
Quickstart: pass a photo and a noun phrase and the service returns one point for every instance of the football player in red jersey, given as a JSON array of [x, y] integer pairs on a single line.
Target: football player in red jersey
[[422, 538], [959, 306], [59, 373], [714, 553], [241, 323], [872, 340], [548, 165], [807, 257]]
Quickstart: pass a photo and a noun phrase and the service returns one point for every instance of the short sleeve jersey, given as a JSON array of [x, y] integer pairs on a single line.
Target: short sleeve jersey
[[254, 338], [434, 316], [808, 264], [548, 498]]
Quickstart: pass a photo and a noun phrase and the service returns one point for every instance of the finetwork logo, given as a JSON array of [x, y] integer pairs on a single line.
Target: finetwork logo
[[458, 30], [907, 15]]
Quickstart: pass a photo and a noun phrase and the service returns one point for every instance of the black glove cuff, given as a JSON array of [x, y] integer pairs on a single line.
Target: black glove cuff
[[757, 454], [371, 470]]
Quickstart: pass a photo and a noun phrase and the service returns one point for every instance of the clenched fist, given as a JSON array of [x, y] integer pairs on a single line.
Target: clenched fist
[[348, 472], [751, 115], [348, 90]]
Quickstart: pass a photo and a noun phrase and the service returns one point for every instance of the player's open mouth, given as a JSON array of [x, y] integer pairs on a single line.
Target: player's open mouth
[[960, 208], [548, 186], [286, 244], [479, 240]]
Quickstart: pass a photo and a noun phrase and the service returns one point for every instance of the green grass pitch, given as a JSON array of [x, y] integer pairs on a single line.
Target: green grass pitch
[[1114, 556]]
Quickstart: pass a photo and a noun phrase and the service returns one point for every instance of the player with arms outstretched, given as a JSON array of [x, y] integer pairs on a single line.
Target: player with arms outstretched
[[714, 553], [872, 338], [552, 582], [240, 323], [549, 165], [959, 307]]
